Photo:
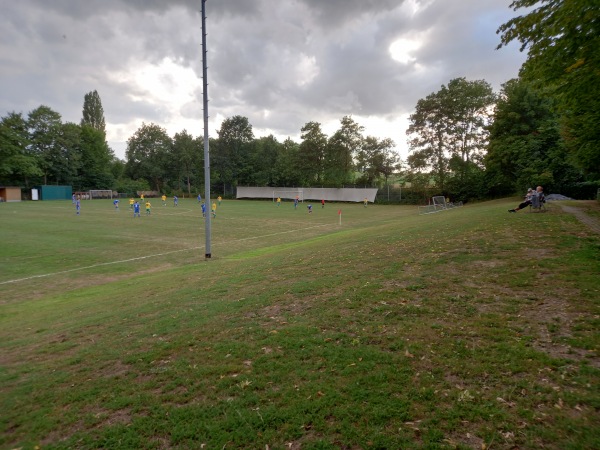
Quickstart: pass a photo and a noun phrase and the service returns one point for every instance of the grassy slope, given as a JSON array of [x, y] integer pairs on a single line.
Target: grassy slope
[[464, 329]]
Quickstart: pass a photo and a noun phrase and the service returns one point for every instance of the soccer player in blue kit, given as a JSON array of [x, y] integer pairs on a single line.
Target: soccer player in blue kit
[[136, 209]]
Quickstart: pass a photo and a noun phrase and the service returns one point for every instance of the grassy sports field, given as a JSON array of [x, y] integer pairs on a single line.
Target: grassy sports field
[[471, 328]]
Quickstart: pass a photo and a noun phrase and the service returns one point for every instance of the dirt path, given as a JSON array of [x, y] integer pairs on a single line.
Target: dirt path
[[590, 221]]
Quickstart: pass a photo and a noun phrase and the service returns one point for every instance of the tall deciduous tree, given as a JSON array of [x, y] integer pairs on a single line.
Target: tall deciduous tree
[[427, 139], [562, 38], [525, 148], [44, 128], [469, 115], [97, 160], [16, 164], [266, 151], [148, 153], [376, 159], [184, 159], [93, 113], [387, 160], [67, 162], [287, 172], [341, 150], [311, 153], [450, 126], [233, 150]]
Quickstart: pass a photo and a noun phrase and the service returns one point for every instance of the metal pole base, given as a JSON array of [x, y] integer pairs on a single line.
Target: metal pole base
[[207, 256]]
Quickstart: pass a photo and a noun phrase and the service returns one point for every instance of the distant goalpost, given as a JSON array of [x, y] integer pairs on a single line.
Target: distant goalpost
[[289, 194], [438, 203], [101, 194]]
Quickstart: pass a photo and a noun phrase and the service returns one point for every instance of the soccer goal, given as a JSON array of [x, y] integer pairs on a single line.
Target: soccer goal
[[289, 194], [101, 194], [438, 203]]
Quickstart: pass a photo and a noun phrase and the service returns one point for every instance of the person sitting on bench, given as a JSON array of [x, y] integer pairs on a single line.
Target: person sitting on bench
[[539, 193]]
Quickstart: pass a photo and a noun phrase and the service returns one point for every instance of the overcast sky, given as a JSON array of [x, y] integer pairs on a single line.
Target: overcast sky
[[281, 63]]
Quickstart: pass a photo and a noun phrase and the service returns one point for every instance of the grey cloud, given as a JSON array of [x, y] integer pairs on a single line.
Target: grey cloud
[[334, 13], [53, 52], [87, 8]]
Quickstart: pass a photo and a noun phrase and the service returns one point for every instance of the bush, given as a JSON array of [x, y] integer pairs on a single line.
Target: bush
[[586, 190], [130, 187]]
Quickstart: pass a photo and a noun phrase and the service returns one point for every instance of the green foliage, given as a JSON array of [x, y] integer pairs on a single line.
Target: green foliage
[[448, 134], [44, 127], [562, 40], [311, 153], [232, 158], [17, 165], [117, 168], [67, 161], [93, 113], [148, 155], [186, 157], [265, 154], [131, 187], [42, 149], [287, 164], [376, 158], [585, 190], [340, 152], [525, 147], [97, 159]]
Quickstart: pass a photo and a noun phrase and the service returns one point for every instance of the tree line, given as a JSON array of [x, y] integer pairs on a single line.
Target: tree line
[[239, 158], [466, 141], [41, 149]]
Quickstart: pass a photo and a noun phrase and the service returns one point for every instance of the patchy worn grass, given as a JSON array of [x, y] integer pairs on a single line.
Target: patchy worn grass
[[471, 328]]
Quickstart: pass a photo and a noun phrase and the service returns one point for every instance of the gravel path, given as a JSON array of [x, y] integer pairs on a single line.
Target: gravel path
[[590, 221]]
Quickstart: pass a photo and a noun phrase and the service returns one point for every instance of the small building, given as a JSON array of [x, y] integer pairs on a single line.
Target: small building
[[10, 194], [50, 192]]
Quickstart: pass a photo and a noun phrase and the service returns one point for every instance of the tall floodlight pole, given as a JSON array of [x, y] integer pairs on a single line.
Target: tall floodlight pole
[[207, 251]]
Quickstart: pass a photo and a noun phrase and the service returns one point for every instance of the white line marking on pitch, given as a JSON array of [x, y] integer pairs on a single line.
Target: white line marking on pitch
[[62, 272], [98, 265]]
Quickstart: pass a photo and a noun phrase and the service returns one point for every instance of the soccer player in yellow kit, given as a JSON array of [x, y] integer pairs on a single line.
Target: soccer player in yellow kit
[[278, 201], [148, 206], [131, 201], [214, 210], [164, 199]]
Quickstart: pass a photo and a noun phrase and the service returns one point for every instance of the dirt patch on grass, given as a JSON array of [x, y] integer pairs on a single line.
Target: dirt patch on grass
[[551, 319], [469, 440], [97, 418], [292, 305], [116, 369]]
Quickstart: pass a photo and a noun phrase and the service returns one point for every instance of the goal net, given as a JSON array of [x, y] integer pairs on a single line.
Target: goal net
[[438, 203], [429, 209], [101, 194], [289, 194]]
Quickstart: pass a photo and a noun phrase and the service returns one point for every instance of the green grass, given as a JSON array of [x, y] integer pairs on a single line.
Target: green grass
[[470, 328]]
